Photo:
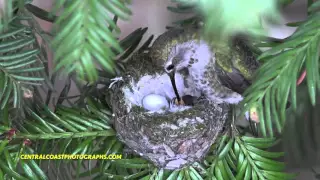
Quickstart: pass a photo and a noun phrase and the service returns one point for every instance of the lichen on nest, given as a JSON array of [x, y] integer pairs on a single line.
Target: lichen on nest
[[171, 139]]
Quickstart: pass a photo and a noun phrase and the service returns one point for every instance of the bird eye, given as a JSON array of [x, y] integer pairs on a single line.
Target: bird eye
[[170, 67]]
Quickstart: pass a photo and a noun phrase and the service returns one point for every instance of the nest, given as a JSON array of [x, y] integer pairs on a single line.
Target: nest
[[171, 138]]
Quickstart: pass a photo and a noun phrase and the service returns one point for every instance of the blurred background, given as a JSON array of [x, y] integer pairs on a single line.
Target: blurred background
[[154, 15]]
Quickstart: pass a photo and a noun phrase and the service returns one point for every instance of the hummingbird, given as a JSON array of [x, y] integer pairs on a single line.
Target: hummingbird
[[220, 72]]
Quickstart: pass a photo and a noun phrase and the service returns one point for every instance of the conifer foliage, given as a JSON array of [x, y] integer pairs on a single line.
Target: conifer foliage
[[85, 36]]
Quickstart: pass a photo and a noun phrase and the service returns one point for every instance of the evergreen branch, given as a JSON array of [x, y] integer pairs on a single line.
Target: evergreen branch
[[217, 163], [231, 158], [235, 158], [255, 162], [314, 6], [12, 166], [83, 36], [132, 176], [18, 64], [46, 40], [40, 13], [6, 14], [44, 124], [277, 77], [64, 135], [242, 158], [124, 168], [72, 119]]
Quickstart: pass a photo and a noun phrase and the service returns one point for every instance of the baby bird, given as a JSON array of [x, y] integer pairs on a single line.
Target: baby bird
[[180, 49]]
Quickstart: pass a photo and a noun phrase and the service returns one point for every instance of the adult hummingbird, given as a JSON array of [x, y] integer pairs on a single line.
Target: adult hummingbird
[[221, 71]]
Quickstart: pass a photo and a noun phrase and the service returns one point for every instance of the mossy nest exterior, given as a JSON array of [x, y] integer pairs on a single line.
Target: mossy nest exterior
[[172, 138]]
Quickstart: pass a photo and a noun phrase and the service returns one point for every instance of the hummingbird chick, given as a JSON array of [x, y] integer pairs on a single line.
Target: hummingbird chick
[[178, 49], [186, 100]]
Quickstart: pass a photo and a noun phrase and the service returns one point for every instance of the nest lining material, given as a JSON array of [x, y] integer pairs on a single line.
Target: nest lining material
[[172, 138], [158, 84]]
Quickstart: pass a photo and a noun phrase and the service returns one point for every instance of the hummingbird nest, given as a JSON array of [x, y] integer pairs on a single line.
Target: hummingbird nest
[[171, 138]]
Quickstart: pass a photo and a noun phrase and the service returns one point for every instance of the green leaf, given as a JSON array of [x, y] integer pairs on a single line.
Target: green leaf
[[138, 174], [11, 172], [19, 55], [280, 175], [91, 41], [6, 95], [311, 57], [261, 120], [42, 121], [14, 47], [1, 173], [268, 113], [314, 6], [57, 118], [222, 142], [12, 42], [240, 161], [264, 153], [222, 169], [237, 149], [242, 170], [181, 175], [274, 111], [270, 167], [12, 32], [288, 44], [226, 149], [173, 175], [66, 135], [293, 88], [248, 173], [254, 176], [83, 145], [37, 169], [231, 162], [218, 173], [228, 170], [132, 163], [3, 144], [194, 174], [28, 170]]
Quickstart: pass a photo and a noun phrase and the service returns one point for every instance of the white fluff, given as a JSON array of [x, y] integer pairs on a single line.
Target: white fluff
[[158, 84]]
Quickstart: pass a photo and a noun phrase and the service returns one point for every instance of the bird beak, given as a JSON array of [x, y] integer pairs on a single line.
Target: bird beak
[[173, 82]]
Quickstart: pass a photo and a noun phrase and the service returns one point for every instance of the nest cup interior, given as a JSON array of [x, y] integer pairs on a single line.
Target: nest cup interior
[[159, 86], [173, 137]]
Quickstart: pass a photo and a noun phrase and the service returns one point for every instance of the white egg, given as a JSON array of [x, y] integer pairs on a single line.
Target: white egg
[[154, 102]]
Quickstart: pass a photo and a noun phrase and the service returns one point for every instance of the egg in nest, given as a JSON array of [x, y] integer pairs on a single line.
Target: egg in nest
[[155, 102]]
